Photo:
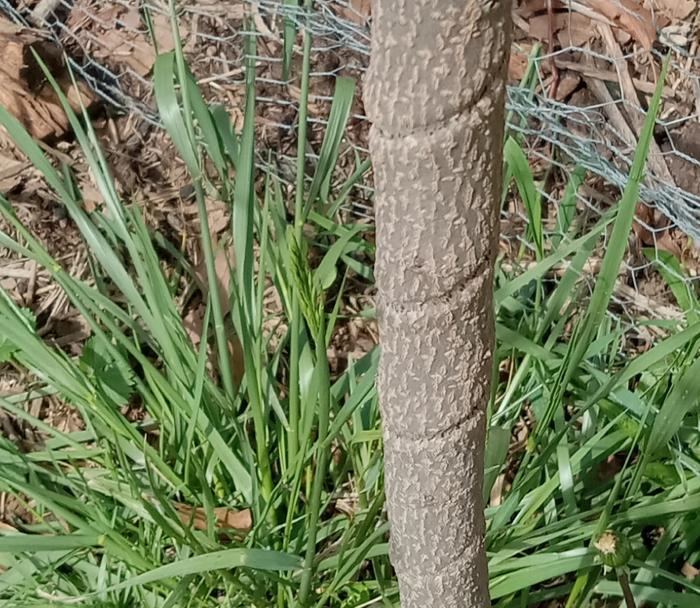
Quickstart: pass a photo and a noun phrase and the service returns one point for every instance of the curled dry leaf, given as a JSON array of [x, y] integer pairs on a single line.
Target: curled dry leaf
[[25, 92], [224, 518], [628, 15]]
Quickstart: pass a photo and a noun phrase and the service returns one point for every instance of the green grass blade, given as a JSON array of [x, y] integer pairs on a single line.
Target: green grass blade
[[520, 168], [35, 543], [343, 98], [256, 559]]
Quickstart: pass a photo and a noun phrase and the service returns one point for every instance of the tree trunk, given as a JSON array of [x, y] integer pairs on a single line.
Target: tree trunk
[[435, 96]]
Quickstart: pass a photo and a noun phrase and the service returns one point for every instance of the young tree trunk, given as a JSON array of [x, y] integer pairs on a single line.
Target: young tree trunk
[[435, 96]]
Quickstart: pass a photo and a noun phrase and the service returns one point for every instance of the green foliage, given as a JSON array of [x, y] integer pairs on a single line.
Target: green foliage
[[111, 377], [517, 165], [581, 439]]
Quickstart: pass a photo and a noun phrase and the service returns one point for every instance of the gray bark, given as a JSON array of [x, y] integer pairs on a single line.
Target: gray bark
[[435, 96]]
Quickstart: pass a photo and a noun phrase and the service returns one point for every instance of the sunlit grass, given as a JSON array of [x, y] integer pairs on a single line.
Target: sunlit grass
[[300, 447]]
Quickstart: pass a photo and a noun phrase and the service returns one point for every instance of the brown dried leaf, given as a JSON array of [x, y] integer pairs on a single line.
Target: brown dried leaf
[[517, 66], [567, 85], [25, 93], [577, 31], [676, 10], [540, 25], [630, 16], [572, 29], [92, 197], [225, 518], [218, 216], [666, 242], [223, 264], [10, 173], [193, 322], [130, 43], [642, 228], [689, 571], [358, 11]]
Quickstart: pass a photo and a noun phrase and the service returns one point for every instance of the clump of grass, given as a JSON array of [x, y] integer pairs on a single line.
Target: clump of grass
[[106, 502], [105, 521]]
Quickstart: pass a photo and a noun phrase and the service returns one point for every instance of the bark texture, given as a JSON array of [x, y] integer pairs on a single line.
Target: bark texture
[[435, 95]]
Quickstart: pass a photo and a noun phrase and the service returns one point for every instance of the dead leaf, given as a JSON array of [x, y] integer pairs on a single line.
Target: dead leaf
[[358, 11], [24, 91], [567, 85], [666, 242], [131, 44], [10, 173], [121, 36], [218, 216], [572, 29], [92, 197], [518, 62], [193, 321], [224, 263], [540, 25], [224, 518], [577, 31], [689, 571], [644, 225], [676, 10], [630, 16]]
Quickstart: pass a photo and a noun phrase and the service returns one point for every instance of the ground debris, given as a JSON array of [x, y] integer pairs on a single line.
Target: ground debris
[[24, 90]]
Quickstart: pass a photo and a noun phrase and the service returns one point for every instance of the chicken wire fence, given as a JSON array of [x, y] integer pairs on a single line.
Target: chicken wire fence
[[110, 44]]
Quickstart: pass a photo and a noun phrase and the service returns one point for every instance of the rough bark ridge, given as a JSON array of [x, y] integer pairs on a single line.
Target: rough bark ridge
[[435, 95]]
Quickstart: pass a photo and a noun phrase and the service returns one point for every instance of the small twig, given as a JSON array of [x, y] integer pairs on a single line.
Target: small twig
[[656, 158], [31, 283], [626, 591], [550, 50], [588, 69]]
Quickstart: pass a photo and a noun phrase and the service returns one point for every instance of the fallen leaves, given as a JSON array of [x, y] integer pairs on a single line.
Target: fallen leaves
[[11, 171], [224, 518], [518, 63], [358, 11], [118, 35], [24, 91], [675, 10], [630, 16], [573, 26]]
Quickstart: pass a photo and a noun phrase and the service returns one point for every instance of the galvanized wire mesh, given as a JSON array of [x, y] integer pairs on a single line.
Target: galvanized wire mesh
[[558, 134]]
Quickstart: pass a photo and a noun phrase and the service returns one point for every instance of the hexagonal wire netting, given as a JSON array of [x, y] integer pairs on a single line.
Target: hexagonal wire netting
[[598, 135]]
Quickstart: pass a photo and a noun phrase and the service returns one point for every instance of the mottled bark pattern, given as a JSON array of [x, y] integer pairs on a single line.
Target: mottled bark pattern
[[435, 95]]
